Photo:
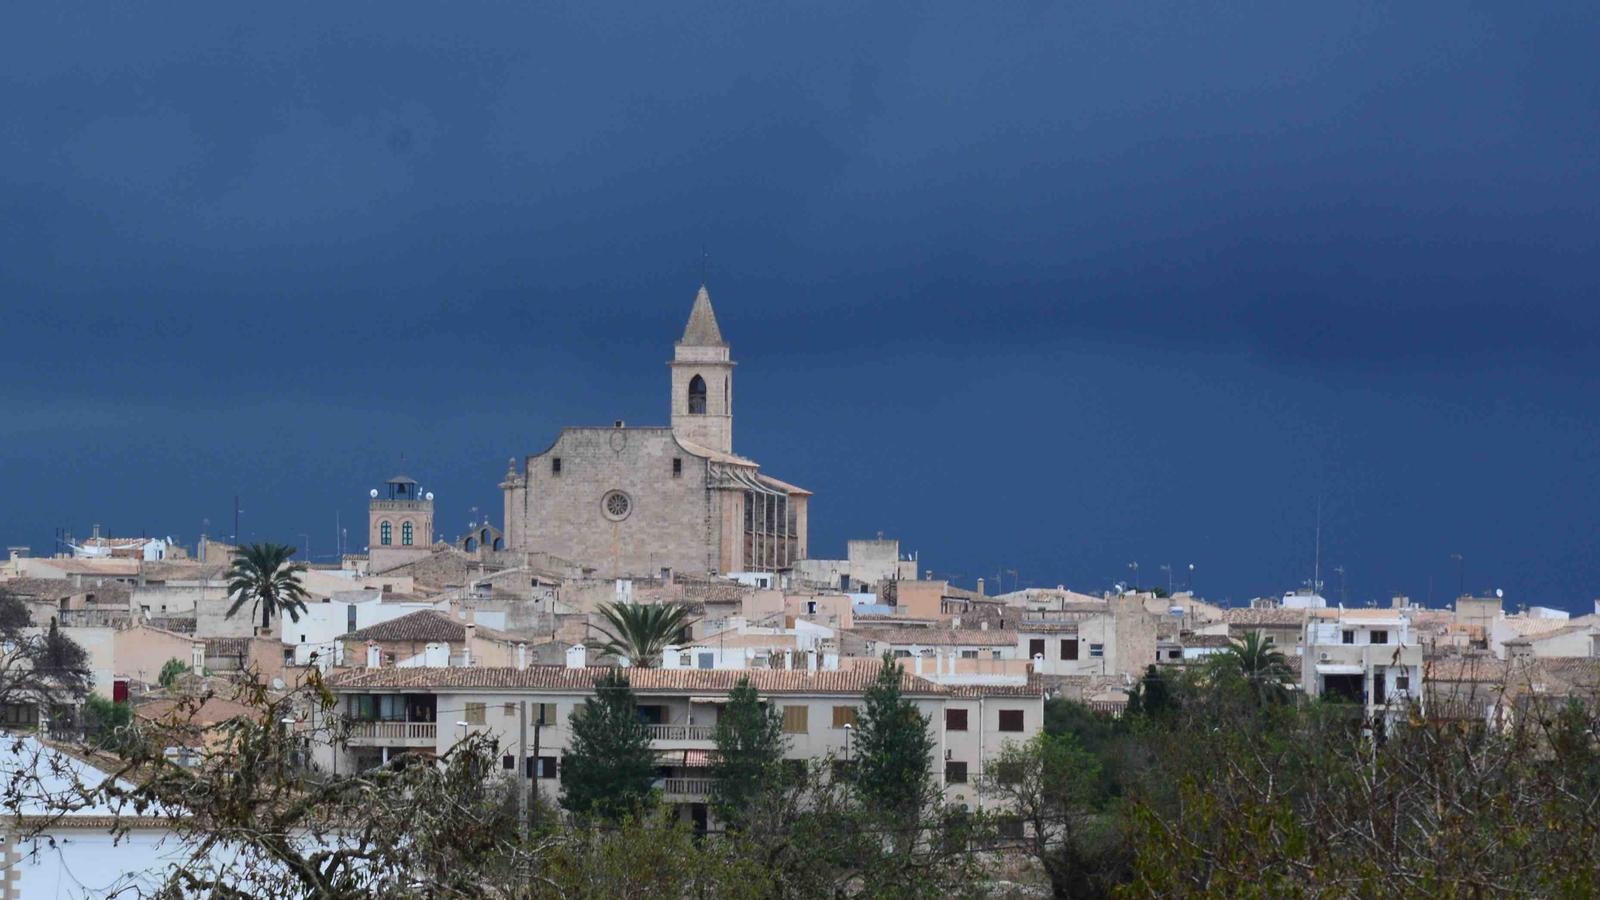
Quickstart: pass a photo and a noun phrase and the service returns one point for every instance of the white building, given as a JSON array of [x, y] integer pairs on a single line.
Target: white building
[[1371, 657]]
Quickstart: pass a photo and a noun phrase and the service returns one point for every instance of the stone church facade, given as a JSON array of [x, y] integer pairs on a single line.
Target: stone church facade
[[633, 501]]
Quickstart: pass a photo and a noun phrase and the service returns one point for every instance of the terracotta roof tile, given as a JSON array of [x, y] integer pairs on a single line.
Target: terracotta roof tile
[[425, 626], [942, 636]]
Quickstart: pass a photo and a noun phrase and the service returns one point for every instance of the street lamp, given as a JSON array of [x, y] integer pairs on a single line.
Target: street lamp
[[1135, 567], [1191, 578], [463, 726]]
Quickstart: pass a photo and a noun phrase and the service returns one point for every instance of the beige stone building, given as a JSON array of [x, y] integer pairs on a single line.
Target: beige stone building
[[634, 501]]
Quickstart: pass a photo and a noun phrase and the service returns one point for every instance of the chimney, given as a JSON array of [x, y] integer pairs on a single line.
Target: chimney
[[788, 655], [470, 635], [372, 655], [576, 657], [916, 665], [811, 661], [197, 656], [522, 656], [980, 588]]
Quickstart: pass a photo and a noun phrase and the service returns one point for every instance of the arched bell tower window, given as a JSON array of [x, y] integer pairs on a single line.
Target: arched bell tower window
[[697, 396], [385, 533], [405, 534]]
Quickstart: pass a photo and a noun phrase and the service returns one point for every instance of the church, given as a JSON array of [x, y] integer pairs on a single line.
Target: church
[[631, 501]]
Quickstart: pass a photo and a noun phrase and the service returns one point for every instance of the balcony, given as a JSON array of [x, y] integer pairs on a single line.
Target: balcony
[[393, 734], [686, 790], [687, 737]]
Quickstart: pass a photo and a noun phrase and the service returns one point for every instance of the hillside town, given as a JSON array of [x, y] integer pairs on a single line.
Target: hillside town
[[424, 642]]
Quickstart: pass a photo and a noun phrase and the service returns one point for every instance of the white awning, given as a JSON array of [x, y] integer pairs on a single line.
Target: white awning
[[1339, 669]]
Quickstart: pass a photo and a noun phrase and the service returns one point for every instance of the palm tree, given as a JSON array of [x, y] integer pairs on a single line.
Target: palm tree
[[640, 632], [1263, 665], [263, 576]]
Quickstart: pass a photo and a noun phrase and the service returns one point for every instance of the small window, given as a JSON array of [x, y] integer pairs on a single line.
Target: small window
[[1011, 720], [969, 654], [844, 715], [544, 713], [350, 618], [994, 654], [476, 713], [555, 465], [547, 767], [288, 657], [1174, 654], [407, 534], [1380, 636], [697, 396], [955, 720], [1348, 637], [677, 467], [1069, 648], [385, 533], [1097, 650], [794, 720], [510, 709], [1402, 682], [707, 660], [1010, 828], [508, 762], [685, 660], [902, 654], [955, 772], [1035, 647]]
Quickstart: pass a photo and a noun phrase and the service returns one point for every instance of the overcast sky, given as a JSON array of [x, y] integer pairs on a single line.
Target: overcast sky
[[1051, 287]]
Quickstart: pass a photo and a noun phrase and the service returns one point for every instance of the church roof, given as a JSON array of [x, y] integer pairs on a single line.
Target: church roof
[[702, 330]]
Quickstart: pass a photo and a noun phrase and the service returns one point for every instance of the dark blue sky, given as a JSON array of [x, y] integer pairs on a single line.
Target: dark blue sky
[[1039, 286]]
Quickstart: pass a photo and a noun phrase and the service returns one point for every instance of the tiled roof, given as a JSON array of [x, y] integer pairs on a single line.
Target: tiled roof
[[424, 626], [1266, 618], [943, 636], [1048, 627], [561, 678], [702, 330], [1032, 689]]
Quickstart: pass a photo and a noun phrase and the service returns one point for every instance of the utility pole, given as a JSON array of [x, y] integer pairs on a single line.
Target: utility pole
[[236, 520], [538, 724], [522, 763]]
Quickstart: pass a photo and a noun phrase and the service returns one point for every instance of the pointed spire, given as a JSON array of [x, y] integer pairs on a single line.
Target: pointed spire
[[702, 330]]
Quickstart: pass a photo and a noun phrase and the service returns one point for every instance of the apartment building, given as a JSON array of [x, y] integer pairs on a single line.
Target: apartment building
[[427, 710], [1371, 657]]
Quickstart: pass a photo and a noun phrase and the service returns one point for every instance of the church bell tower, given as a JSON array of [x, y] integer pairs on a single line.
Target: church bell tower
[[702, 381]]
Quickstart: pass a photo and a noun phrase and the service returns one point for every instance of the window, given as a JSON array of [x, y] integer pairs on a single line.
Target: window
[[697, 396], [969, 654], [685, 660], [994, 654], [1035, 647], [1069, 648], [616, 505], [677, 467], [1010, 828], [794, 720], [385, 533], [955, 772], [555, 465], [1402, 683], [510, 709], [1380, 636], [475, 713], [902, 654], [547, 767], [406, 534], [543, 713], [350, 618], [1097, 650], [844, 715], [288, 656], [708, 660], [1010, 720], [1174, 654], [955, 720], [1348, 637], [508, 762]]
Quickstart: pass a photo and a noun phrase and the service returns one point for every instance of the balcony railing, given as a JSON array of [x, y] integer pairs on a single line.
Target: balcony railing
[[687, 787], [394, 731], [680, 732]]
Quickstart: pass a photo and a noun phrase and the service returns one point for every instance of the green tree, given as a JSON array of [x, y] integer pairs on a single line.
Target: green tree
[[607, 771], [749, 758], [46, 668], [107, 725], [263, 576], [1051, 783], [1262, 666], [171, 670], [639, 632], [894, 748]]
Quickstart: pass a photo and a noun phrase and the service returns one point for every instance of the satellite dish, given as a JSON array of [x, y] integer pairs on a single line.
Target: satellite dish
[[373, 493], [428, 496], [1499, 594]]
